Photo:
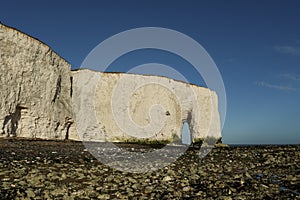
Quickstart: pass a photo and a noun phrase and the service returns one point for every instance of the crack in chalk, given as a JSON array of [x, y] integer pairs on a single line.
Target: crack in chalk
[[58, 89]]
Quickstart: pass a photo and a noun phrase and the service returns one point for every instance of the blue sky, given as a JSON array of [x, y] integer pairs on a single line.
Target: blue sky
[[255, 45]]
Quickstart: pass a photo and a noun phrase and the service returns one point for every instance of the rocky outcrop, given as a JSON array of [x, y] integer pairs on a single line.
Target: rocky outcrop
[[128, 107], [35, 88], [39, 95]]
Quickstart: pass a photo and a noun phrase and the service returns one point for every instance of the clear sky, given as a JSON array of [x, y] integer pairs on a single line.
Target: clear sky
[[255, 45]]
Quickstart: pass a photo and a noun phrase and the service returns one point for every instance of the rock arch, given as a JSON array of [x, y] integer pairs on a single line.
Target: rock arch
[[186, 135], [181, 102]]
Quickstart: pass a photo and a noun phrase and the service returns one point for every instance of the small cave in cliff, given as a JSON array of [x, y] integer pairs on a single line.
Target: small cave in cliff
[[68, 124], [11, 122]]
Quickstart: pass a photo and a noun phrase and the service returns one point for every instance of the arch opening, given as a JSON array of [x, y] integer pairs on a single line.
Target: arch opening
[[186, 135]]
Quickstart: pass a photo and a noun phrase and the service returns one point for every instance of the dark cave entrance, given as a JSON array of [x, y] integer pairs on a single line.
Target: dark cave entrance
[[11, 122]]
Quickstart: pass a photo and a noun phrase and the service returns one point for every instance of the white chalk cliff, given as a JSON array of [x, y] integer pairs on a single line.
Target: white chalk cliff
[[42, 98], [35, 88]]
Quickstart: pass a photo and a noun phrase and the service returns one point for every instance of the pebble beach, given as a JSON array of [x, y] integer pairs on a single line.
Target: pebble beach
[[37, 169]]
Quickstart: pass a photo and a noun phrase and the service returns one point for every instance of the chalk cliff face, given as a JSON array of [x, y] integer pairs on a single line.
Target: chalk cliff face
[[128, 107], [35, 88], [42, 98]]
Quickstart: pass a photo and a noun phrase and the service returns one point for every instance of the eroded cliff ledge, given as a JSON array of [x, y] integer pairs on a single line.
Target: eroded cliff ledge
[[40, 94]]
